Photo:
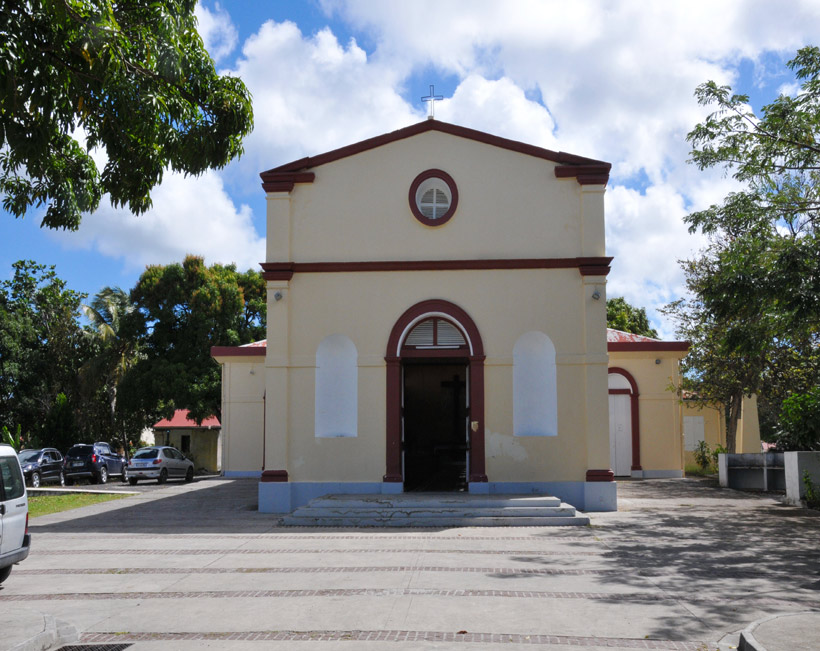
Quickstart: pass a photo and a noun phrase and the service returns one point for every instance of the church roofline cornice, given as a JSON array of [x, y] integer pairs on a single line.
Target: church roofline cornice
[[585, 170]]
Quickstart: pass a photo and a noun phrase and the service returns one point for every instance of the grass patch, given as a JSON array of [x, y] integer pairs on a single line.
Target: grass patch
[[45, 504], [697, 471]]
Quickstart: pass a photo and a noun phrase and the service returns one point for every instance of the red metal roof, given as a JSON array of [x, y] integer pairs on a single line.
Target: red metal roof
[[617, 335], [180, 420], [253, 349], [617, 341]]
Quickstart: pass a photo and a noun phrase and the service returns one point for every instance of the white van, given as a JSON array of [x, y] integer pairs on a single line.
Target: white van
[[15, 539]]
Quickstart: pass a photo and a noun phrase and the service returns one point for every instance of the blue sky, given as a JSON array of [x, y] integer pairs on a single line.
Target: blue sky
[[608, 80]]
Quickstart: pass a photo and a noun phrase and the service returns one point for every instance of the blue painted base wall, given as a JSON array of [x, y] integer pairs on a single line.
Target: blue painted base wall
[[285, 497]]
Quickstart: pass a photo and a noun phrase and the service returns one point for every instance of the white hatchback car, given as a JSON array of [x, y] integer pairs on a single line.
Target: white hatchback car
[[15, 540], [159, 462]]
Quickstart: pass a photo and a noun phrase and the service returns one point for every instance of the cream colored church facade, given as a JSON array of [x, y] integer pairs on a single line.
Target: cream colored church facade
[[436, 322]]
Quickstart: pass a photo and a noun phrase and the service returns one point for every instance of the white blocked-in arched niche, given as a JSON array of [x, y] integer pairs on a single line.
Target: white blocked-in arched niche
[[535, 386], [337, 388]]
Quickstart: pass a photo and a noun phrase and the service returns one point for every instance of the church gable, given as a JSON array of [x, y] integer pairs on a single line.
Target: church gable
[[436, 192]]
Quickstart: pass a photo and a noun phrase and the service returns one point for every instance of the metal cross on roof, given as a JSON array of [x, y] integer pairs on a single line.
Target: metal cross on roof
[[432, 98]]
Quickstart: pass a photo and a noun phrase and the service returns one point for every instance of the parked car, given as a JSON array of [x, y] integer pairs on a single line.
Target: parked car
[[159, 462], [94, 461], [43, 465], [15, 540]]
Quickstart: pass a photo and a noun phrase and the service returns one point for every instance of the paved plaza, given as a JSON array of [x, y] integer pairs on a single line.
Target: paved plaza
[[682, 565]]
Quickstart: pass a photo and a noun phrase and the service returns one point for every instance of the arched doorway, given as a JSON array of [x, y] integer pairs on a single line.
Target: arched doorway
[[435, 399], [624, 423]]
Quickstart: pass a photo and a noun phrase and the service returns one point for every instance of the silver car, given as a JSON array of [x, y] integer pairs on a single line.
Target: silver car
[[159, 462]]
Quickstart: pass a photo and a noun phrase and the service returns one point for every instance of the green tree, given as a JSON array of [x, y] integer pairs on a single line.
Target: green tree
[[134, 77], [41, 346], [183, 310], [800, 421], [728, 355], [622, 316], [115, 352], [754, 317], [772, 222]]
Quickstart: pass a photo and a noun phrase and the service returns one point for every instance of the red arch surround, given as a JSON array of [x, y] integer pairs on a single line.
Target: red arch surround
[[635, 414], [393, 358]]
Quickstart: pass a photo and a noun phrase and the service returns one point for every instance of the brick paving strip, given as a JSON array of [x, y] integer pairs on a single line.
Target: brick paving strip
[[411, 535], [631, 597], [301, 550], [396, 636], [315, 570], [333, 592]]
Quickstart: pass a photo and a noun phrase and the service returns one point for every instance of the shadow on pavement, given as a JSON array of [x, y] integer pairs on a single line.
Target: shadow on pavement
[[209, 506], [724, 556]]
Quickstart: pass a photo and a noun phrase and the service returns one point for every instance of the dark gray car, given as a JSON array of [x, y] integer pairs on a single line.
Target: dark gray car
[[43, 465], [93, 461]]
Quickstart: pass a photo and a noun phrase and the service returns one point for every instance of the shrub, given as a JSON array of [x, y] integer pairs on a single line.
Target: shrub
[[812, 492], [703, 455], [800, 422]]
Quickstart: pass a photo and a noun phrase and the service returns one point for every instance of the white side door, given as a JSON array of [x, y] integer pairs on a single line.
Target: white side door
[[13, 505], [620, 434]]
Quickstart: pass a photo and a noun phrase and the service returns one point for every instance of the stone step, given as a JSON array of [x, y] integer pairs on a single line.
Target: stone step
[[435, 510], [519, 521], [404, 500], [429, 511]]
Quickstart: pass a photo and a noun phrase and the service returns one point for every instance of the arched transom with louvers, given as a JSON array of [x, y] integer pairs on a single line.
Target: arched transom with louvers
[[434, 333]]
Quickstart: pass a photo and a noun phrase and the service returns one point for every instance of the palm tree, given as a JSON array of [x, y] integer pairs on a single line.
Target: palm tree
[[117, 353]]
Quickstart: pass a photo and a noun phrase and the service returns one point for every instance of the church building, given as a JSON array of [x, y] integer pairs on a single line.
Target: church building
[[436, 322]]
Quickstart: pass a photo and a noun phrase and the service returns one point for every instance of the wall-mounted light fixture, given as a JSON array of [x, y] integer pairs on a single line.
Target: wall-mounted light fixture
[[657, 361], [596, 295], [277, 296]]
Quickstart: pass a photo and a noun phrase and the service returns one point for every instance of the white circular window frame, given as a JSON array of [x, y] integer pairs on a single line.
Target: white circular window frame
[[433, 179]]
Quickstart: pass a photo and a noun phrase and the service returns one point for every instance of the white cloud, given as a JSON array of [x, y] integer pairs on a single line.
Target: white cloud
[[312, 94], [217, 30], [609, 80], [646, 235], [190, 215]]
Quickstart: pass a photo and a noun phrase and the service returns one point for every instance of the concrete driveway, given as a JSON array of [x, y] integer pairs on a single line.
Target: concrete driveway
[[682, 565]]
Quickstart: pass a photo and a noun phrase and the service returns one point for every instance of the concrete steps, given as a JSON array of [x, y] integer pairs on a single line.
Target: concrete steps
[[435, 510]]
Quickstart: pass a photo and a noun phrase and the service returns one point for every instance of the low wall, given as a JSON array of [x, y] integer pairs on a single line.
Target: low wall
[[796, 464], [753, 471]]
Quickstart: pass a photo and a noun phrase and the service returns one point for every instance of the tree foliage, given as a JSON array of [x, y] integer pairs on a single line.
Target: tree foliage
[[134, 78], [754, 316], [800, 421], [622, 316], [727, 354], [114, 353], [183, 310], [771, 225], [41, 346]]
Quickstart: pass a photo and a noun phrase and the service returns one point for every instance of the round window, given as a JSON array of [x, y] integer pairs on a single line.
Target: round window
[[433, 197]]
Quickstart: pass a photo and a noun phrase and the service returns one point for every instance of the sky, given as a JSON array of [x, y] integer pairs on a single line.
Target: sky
[[611, 80]]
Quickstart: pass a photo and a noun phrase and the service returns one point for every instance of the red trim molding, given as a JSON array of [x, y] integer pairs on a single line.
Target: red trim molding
[[238, 351], [600, 475], [393, 358], [647, 346], [635, 414], [585, 170], [451, 184], [594, 174], [586, 266], [284, 181], [274, 476]]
